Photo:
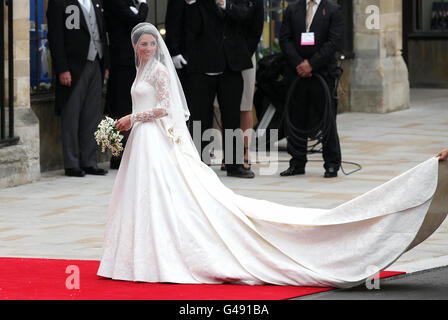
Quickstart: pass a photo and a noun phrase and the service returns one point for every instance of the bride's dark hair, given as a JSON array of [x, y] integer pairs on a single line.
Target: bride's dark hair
[[139, 32]]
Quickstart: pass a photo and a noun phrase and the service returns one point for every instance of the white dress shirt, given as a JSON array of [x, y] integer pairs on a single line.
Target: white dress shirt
[[86, 4]]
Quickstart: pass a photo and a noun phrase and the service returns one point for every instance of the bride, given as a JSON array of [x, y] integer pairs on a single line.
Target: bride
[[172, 220]]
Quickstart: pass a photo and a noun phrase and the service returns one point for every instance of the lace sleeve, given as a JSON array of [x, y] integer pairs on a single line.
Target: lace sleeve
[[161, 84], [163, 93], [148, 115]]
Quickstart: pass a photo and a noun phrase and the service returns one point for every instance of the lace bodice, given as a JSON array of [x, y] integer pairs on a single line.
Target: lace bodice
[[150, 96]]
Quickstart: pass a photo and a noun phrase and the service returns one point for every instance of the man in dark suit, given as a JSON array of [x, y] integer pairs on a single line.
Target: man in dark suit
[[217, 52], [253, 27], [310, 35], [78, 45], [176, 35], [121, 17]]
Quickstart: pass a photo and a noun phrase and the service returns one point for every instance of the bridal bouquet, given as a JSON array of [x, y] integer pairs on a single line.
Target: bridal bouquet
[[108, 136]]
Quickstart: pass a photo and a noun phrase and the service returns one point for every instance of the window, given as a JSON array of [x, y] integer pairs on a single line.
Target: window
[[40, 58], [7, 137], [430, 16]]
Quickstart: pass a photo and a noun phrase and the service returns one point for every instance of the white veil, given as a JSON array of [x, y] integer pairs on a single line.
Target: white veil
[[177, 108]]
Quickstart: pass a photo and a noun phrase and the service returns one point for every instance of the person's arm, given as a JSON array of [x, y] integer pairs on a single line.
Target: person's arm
[[163, 101], [161, 110], [333, 43], [287, 40], [106, 55], [254, 27], [124, 12], [443, 155], [56, 25], [174, 25]]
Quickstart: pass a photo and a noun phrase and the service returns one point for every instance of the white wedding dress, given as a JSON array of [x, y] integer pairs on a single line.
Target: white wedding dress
[[172, 220]]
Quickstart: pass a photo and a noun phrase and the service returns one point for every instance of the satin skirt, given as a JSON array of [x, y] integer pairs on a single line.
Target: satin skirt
[[172, 220]]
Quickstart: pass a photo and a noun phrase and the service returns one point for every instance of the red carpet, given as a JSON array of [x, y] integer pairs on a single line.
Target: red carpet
[[45, 279]]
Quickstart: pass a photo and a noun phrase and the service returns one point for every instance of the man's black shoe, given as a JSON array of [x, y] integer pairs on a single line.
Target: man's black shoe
[[74, 172], [240, 172], [292, 171], [95, 171], [331, 173]]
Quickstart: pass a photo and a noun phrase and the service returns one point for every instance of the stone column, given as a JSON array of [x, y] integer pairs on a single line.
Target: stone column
[[19, 163], [378, 74]]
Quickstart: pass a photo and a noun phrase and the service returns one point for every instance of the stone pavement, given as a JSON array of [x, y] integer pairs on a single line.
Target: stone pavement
[[62, 217]]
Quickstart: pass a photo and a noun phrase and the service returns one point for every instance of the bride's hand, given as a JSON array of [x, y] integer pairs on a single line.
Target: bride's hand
[[124, 123]]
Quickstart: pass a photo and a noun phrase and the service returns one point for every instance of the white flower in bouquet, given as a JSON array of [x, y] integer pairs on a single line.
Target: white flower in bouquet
[[108, 136]]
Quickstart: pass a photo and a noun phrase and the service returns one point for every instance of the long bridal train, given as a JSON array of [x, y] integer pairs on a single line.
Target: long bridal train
[[171, 219], [438, 209], [183, 225]]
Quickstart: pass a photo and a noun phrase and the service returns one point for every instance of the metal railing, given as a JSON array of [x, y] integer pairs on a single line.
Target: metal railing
[[7, 138]]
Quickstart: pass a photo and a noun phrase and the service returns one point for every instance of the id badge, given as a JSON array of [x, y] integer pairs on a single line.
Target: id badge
[[307, 39]]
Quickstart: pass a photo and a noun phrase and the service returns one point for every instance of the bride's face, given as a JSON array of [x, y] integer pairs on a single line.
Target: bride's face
[[147, 47]]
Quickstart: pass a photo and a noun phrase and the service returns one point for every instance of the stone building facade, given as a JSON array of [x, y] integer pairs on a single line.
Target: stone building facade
[[19, 163], [378, 74]]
